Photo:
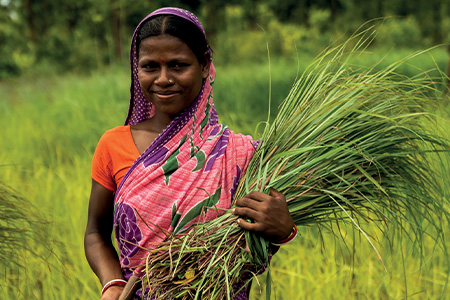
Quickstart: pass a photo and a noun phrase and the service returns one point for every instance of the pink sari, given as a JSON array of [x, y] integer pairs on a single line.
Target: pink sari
[[193, 164]]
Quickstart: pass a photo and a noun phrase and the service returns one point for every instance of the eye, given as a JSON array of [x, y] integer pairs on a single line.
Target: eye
[[150, 66], [178, 65]]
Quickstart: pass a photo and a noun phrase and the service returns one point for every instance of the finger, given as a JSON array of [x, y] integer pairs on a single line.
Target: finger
[[258, 196], [276, 194], [253, 196], [246, 212], [248, 225], [248, 202]]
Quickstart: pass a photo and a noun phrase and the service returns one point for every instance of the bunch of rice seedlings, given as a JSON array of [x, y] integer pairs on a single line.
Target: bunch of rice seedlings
[[348, 145]]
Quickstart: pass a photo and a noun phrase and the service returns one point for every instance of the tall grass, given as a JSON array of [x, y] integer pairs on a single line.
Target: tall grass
[[50, 127]]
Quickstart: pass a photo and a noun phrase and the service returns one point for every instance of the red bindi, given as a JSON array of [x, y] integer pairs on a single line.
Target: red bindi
[[162, 60]]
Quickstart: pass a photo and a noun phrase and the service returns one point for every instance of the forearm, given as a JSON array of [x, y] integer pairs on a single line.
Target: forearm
[[102, 257]]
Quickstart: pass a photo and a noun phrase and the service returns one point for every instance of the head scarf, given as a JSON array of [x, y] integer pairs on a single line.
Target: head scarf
[[141, 109], [193, 164]]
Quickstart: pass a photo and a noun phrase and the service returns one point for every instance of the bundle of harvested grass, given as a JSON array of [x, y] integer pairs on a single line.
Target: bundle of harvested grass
[[347, 145]]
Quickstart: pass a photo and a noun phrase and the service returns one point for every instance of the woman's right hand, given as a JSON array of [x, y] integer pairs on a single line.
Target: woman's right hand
[[112, 293]]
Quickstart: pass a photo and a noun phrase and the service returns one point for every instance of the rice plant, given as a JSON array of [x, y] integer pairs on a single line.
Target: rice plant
[[22, 233], [347, 146], [17, 227]]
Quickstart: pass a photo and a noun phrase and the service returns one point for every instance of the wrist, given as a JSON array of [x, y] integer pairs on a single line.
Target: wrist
[[113, 293], [288, 239], [114, 284]]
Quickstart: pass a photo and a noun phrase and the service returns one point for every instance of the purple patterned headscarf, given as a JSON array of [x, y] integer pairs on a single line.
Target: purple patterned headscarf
[[141, 109]]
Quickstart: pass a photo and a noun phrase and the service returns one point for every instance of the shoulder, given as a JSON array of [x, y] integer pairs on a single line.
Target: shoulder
[[241, 147], [112, 139], [103, 167], [116, 132], [114, 135], [242, 140], [240, 150]]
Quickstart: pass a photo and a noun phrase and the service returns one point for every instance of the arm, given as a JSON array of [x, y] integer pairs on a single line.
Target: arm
[[270, 215], [100, 252]]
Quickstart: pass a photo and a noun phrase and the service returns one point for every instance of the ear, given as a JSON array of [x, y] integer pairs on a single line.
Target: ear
[[206, 64]]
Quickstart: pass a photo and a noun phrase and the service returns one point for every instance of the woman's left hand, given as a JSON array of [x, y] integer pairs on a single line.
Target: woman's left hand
[[269, 213]]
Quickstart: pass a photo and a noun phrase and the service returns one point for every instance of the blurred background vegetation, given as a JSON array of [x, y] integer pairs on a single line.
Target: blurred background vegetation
[[64, 80], [47, 35]]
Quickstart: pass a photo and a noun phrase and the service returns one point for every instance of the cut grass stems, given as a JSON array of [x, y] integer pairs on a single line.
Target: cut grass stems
[[346, 146]]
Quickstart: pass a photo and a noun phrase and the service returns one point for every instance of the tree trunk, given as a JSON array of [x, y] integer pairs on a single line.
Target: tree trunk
[[437, 20], [116, 30], [213, 21], [380, 8], [30, 21], [334, 10], [251, 13]]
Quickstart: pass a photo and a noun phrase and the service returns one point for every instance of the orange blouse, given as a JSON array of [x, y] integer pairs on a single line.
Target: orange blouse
[[114, 155]]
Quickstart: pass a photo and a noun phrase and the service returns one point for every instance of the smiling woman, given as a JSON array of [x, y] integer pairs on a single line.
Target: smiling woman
[[159, 174]]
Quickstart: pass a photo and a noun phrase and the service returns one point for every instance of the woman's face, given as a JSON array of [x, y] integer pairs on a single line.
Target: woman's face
[[170, 74]]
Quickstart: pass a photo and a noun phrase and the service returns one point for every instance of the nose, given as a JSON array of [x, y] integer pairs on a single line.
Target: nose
[[164, 77]]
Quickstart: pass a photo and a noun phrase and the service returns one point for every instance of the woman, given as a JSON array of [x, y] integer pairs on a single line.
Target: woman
[[172, 158]]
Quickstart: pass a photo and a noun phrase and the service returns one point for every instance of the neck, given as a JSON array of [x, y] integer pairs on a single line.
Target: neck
[[159, 122]]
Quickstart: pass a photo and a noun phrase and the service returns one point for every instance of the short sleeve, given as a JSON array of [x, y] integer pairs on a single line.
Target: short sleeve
[[101, 170]]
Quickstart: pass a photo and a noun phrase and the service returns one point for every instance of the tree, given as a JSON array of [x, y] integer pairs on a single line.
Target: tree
[[12, 40], [214, 19]]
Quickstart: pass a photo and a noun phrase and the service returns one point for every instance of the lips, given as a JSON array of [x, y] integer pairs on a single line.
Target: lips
[[165, 94]]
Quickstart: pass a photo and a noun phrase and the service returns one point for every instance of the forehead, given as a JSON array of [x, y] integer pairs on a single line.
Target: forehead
[[164, 45]]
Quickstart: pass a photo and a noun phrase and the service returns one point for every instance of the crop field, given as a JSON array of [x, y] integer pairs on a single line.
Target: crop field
[[49, 130]]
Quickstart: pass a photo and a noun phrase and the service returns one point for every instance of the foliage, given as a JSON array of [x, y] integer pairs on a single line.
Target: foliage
[[400, 33], [50, 127], [85, 35], [12, 45]]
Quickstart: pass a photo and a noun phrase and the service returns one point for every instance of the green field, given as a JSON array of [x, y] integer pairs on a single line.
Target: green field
[[49, 130]]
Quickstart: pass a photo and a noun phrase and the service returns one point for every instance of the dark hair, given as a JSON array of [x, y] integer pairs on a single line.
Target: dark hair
[[177, 27]]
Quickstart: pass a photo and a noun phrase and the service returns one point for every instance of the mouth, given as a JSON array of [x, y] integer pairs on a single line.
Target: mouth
[[165, 94]]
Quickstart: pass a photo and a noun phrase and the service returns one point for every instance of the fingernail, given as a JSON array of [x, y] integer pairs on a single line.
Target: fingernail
[[233, 211]]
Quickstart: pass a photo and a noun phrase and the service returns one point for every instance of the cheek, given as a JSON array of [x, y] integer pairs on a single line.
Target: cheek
[[198, 82], [144, 80], [196, 87], [140, 79]]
